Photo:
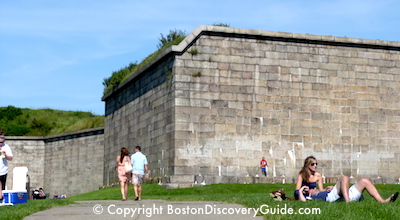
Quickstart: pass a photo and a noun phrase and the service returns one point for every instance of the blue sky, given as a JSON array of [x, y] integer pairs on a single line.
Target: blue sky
[[55, 54]]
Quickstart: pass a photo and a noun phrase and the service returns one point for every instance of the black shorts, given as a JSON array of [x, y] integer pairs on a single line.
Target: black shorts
[[3, 179]]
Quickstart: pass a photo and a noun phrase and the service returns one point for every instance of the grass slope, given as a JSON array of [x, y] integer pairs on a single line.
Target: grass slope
[[43, 122]]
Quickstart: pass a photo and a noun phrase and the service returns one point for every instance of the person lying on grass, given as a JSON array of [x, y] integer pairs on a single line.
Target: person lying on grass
[[308, 180], [342, 190]]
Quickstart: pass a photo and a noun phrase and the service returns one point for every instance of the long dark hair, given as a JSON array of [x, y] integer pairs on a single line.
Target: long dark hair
[[124, 152], [304, 171]]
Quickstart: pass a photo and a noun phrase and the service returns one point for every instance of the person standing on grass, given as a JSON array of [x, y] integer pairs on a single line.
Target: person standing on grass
[[139, 172], [264, 167], [6, 155]]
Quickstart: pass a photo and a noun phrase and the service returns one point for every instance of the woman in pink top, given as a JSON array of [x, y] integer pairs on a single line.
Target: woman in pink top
[[122, 175]]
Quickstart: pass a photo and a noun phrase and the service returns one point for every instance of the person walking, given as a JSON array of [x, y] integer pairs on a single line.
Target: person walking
[[122, 175], [139, 172]]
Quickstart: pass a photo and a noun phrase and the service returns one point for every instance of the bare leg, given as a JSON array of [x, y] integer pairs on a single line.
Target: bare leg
[[126, 189], [135, 189], [343, 187], [122, 184], [365, 183], [140, 192]]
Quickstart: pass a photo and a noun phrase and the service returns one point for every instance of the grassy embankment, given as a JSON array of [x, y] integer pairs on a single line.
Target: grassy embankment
[[42, 122]]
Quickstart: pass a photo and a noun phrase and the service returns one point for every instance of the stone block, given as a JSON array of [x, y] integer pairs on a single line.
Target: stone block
[[181, 178]]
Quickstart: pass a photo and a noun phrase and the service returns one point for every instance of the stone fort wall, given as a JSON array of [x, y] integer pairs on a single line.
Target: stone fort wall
[[211, 107], [69, 163], [208, 109]]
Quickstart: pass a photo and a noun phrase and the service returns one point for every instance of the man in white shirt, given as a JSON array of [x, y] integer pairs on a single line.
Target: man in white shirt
[[139, 172], [6, 155]]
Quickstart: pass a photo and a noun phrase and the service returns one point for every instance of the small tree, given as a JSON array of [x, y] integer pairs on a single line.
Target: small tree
[[171, 37]]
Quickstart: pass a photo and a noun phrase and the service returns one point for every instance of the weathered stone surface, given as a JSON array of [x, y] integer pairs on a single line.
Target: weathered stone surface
[[283, 96], [69, 163]]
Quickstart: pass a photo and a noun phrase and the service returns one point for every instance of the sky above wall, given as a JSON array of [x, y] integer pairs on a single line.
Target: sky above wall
[[56, 54]]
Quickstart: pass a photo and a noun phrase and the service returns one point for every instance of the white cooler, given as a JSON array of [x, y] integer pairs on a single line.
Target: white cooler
[[19, 193]]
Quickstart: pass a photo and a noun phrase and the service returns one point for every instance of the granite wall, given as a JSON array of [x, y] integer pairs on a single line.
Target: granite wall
[[225, 97], [209, 108], [69, 163], [28, 152]]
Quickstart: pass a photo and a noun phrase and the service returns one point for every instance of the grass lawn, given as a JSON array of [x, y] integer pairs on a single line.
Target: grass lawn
[[248, 195]]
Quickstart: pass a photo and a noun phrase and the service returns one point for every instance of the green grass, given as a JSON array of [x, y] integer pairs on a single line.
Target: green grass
[[248, 195], [42, 122], [20, 211]]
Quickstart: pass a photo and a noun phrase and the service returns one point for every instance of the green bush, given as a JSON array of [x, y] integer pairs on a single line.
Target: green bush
[[10, 112], [171, 37], [15, 129], [117, 77], [41, 126]]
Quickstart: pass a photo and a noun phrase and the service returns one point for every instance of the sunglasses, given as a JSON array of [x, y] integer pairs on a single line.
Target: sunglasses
[[312, 164]]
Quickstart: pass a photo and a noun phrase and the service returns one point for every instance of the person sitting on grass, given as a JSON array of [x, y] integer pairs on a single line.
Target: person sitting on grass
[[342, 190], [42, 194], [308, 176]]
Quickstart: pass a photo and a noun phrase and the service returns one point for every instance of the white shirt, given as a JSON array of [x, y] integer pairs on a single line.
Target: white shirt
[[3, 161]]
